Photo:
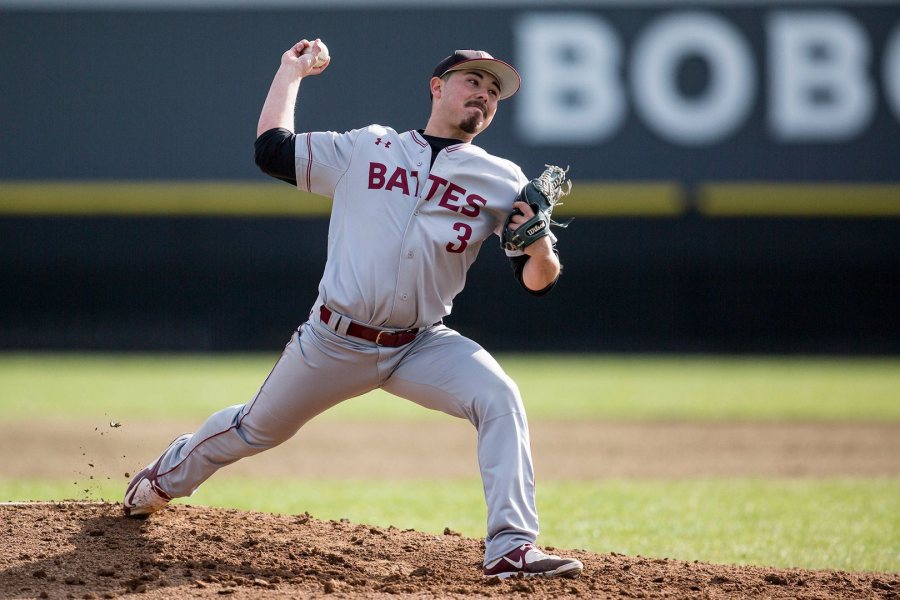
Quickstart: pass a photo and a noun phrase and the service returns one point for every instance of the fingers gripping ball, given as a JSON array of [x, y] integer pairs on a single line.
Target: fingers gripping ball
[[321, 57], [543, 194]]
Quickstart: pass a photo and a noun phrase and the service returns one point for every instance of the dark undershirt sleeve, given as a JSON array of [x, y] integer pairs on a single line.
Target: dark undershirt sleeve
[[275, 154], [518, 265]]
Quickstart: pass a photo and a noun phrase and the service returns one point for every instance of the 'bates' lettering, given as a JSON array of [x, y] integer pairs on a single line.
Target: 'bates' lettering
[[453, 197], [398, 179]]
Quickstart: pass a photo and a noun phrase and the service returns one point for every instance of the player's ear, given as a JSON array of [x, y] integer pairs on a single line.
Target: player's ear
[[437, 85]]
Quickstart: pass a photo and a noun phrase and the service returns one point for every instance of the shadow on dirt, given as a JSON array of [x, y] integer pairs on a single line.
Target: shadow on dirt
[[89, 550], [64, 551]]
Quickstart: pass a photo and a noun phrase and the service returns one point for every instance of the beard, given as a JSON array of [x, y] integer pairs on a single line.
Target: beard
[[472, 124]]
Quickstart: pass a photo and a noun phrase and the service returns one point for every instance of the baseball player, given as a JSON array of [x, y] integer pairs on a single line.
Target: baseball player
[[410, 212]]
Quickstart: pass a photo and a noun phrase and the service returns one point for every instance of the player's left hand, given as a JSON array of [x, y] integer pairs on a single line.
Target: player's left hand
[[524, 213], [531, 216]]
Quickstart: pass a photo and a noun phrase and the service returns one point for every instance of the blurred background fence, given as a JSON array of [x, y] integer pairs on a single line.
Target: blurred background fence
[[736, 167]]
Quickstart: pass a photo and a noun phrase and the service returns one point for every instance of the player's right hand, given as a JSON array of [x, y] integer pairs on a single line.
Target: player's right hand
[[300, 63]]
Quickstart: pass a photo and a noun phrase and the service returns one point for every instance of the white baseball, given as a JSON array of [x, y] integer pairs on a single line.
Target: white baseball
[[321, 57]]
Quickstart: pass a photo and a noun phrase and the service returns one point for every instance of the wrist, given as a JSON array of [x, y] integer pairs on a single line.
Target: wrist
[[542, 248], [289, 71]]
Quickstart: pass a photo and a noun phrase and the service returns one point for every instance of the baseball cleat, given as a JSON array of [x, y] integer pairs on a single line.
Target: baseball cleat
[[143, 495], [531, 562]]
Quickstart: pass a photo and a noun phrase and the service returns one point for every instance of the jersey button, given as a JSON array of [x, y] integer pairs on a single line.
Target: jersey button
[[416, 213], [419, 164], [404, 297], [409, 254]]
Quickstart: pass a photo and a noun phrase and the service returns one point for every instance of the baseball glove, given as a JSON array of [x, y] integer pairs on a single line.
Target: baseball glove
[[542, 193]]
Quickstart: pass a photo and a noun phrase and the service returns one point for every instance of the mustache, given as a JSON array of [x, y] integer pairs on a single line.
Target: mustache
[[479, 105]]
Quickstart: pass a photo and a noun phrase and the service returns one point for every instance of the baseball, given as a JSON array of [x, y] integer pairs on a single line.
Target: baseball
[[321, 57]]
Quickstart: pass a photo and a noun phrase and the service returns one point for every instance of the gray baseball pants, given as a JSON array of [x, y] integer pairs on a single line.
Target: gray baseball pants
[[319, 368]]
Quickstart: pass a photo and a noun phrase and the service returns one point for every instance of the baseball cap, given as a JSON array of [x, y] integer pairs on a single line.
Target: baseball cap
[[506, 75]]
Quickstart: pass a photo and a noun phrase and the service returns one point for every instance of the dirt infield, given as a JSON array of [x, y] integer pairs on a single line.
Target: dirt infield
[[88, 550], [446, 449]]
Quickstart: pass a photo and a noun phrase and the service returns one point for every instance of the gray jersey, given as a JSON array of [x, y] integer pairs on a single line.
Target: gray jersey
[[402, 235]]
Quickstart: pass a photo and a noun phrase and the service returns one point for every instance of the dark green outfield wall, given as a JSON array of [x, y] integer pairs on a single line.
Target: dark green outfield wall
[[688, 284], [784, 117]]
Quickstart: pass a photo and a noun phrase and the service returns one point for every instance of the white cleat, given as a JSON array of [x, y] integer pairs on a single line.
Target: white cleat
[[143, 495]]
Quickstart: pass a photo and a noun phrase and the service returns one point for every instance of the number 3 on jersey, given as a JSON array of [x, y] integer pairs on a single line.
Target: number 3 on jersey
[[465, 232]]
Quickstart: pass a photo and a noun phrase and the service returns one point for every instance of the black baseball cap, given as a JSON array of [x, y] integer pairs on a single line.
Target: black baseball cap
[[506, 75]]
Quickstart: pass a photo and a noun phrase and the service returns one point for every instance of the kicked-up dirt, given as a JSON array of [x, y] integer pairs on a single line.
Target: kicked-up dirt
[[89, 550]]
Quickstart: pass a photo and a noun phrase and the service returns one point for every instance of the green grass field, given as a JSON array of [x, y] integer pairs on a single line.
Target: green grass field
[[557, 387], [851, 524]]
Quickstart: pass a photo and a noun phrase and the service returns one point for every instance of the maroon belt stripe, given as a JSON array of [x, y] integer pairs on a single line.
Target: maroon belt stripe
[[382, 337]]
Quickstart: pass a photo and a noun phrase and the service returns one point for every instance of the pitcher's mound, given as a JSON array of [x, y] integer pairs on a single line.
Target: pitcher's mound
[[88, 550]]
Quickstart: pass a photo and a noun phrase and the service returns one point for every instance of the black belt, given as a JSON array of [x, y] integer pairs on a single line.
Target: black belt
[[381, 337]]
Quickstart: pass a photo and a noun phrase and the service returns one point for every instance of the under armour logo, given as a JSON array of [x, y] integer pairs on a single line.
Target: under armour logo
[[387, 144]]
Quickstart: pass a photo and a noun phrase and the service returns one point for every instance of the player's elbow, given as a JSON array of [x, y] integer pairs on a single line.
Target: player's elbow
[[265, 150], [274, 154], [259, 153], [540, 285], [541, 272]]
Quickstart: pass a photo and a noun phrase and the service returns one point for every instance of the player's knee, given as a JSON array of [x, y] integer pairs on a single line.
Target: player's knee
[[501, 397], [263, 439]]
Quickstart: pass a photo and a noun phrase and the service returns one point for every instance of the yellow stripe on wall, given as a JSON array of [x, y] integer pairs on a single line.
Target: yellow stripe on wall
[[588, 198], [624, 199], [799, 199], [243, 199], [151, 198]]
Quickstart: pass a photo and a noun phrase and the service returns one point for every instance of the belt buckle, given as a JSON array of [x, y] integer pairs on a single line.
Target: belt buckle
[[378, 337]]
